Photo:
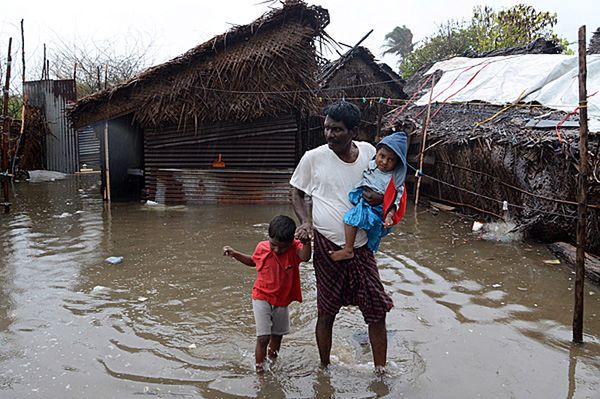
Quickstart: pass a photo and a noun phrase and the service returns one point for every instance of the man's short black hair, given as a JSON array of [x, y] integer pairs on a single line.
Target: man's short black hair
[[343, 111], [282, 228]]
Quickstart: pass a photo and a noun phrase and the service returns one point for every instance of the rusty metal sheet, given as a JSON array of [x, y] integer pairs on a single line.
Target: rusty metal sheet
[[258, 161]]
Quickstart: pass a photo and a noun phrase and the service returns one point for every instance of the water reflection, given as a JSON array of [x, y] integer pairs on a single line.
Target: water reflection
[[174, 319]]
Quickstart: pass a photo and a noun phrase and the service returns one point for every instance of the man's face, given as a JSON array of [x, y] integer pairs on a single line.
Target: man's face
[[337, 135]]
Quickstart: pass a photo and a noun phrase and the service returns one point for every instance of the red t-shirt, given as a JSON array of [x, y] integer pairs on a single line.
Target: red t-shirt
[[278, 279]]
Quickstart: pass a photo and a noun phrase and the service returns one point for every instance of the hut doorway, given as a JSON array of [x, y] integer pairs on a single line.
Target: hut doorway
[[126, 158]]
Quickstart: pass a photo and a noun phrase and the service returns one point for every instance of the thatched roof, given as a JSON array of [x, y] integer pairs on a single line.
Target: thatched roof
[[359, 75], [538, 46], [262, 69]]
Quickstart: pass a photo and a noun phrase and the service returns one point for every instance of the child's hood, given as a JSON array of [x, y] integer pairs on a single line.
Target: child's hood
[[397, 142]]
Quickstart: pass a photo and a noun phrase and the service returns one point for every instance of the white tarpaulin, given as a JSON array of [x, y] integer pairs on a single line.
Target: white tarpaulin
[[549, 79]]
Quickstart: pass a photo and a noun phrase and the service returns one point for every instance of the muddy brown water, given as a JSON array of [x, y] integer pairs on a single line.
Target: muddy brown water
[[472, 318]]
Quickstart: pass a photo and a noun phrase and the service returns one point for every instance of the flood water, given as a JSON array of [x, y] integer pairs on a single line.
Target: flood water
[[472, 318]]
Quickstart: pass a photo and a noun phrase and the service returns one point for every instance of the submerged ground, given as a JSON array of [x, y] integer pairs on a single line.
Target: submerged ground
[[472, 318]]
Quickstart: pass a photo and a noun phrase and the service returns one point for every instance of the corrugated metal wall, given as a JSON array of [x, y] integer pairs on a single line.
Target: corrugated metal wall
[[51, 96], [259, 159], [89, 148]]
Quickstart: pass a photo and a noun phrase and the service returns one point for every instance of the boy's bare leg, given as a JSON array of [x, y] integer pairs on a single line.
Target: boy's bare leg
[[261, 351], [348, 251], [324, 331], [274, 345]]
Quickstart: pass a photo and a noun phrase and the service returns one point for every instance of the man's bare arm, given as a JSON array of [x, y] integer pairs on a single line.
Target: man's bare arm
[[301, 208]]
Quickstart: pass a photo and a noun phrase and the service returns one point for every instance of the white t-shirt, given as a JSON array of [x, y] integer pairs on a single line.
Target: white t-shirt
[[328, 180]]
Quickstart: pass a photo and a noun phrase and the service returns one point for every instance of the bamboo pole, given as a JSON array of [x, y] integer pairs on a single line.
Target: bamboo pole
[[582, 192], [106, 162], [5, 133], [423, 142]]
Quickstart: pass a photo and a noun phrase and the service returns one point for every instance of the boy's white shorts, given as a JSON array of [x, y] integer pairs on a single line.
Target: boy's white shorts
[[270, 320]]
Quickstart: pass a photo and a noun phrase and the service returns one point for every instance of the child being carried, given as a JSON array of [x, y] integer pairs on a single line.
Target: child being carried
[[384, 176]]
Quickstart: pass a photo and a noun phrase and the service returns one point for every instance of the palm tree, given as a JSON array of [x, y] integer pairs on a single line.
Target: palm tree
[[399, 41]]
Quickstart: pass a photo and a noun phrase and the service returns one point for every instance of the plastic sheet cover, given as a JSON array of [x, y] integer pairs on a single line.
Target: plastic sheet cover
[[548, 79]]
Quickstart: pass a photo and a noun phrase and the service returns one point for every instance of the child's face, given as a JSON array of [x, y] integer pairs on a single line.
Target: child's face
[[385, 159], [279, 247]]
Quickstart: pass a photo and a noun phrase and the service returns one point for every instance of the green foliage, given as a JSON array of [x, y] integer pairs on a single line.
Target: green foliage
[[519, 25], [488, 30], [15, 104], [452, 38]]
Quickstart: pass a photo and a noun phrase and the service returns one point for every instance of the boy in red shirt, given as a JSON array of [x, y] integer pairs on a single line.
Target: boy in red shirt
[[277, 284]]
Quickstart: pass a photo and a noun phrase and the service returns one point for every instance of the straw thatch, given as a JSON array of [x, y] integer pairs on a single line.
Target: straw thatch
[[262, 69], [505, 160], [359, 78], [538, 46]]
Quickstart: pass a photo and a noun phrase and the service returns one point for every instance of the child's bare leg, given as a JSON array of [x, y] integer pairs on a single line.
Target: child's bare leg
[[261, 351], [274, 345], [348, 251]]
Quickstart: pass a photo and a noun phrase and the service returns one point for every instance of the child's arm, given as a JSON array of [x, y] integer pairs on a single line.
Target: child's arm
[[239, 256], [305, 251], [389, 217]]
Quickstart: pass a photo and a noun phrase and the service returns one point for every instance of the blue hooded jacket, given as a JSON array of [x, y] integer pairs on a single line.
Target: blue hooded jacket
[[397, 142]]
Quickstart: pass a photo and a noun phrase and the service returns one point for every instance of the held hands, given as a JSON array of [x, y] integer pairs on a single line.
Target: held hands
[[304, 233]]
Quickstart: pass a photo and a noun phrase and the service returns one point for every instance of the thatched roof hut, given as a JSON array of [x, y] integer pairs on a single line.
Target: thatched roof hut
[[224, 122], [359, 78], [253, 71], [526, 154]]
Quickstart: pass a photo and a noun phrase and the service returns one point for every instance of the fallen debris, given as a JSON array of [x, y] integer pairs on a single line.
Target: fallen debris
[[114, 260], [567, 253]]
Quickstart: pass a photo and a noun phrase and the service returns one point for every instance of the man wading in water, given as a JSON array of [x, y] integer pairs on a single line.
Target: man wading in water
[[327, 173]]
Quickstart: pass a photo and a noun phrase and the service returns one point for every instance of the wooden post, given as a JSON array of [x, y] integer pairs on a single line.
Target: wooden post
[[98, 81], [25, 101], [44, 64], [106, 162], [582, 192], [23, 49], [378, 133], [105, 76], [5, 133], [75, 78], [423, 142]]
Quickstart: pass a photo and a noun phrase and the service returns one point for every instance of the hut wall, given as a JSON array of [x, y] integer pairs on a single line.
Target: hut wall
[[258, 161], [521, 175], [61, 147]]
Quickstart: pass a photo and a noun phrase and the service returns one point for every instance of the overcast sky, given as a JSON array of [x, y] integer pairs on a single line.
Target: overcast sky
[[175, 26]]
